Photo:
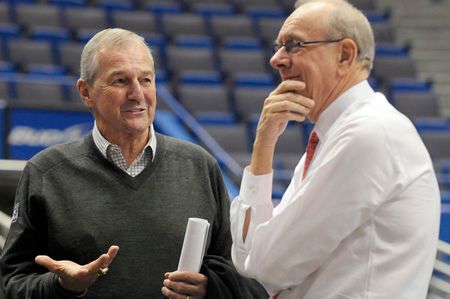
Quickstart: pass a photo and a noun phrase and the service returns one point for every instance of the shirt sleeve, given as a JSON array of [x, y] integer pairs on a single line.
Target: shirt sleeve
[[350, 175], [255, 194], [223, 280]]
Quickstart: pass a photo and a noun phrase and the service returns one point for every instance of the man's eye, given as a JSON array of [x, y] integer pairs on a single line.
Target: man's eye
[[119, 81], [146, 80]]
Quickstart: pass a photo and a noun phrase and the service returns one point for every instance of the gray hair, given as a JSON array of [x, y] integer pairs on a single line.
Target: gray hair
[[112, 37], [346, 21]]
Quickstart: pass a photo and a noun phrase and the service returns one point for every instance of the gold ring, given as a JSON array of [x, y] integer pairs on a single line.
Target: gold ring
[[102, 271]]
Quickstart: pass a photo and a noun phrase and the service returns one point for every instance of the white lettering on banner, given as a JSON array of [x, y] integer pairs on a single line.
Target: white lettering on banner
[[29, 136]]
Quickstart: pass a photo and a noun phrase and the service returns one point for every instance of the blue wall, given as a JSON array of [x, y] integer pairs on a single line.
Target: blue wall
[[32, 130]]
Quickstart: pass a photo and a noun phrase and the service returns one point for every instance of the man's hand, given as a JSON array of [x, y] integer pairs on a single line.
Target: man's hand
[[77, 278], [283, 104], [181, 284]]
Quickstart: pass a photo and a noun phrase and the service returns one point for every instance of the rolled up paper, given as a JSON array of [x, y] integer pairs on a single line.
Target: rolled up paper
[[194, 245]]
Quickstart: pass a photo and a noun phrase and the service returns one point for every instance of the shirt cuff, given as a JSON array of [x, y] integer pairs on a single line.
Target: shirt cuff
[[256, 189]]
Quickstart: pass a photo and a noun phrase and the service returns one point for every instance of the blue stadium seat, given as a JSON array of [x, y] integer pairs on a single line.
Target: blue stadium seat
[[25, 52], [182, 59], [383, 32], [200, 77], [45, 91], [444, 233], [366, 5], [242, 43], [268, 29], [249, 100], [437, 143], [5, 87], [161, 7], [30, 15], [196, 41], [80, 19], [68, 3], [174, 25], [232, 137], [142, 22], [69, 56], [256, 13], [46, 70], [432, 124], [7, 67], [209, 103], [242, 61], [391, 63], [5, 13], [208, 9], [7, 33], [111, 6], [234, 25], [291, 146]]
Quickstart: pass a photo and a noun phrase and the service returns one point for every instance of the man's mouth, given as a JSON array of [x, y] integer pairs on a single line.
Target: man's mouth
[[134, 110]]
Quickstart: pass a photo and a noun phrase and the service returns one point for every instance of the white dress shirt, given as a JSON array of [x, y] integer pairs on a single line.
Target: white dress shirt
[[364, 221]]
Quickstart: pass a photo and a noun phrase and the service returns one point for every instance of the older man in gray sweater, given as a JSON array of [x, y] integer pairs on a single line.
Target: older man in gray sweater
[[123, 186]]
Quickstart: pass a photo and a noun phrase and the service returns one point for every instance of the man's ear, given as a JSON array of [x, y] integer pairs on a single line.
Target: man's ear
[[348, 53], [84, 92]]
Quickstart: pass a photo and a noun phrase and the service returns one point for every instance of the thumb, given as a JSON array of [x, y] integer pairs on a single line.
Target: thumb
[[48, 263]]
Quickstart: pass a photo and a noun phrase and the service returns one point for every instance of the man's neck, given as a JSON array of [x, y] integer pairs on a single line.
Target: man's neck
[[131, 145]]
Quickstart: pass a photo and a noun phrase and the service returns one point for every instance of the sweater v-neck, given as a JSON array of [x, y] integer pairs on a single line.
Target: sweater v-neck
[[119, 174]]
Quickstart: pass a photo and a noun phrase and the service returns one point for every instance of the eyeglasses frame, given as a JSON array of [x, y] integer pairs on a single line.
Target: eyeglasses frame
[[292, 44]]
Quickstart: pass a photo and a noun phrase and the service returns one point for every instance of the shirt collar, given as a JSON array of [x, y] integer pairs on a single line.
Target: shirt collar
[[329, 116], [103, 144]]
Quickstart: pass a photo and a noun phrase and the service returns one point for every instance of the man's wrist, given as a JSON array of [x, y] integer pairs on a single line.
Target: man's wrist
[[76, 294]]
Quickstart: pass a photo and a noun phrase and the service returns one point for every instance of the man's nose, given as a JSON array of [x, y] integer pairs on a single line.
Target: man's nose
[[280, 59], [135, 90]]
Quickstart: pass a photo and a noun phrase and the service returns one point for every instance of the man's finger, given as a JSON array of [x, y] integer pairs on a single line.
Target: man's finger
[[187, 277], [47, 262], [103, 260], [112, 252], [289, 85]]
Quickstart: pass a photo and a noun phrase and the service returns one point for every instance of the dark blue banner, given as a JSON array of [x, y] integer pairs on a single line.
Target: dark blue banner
[[32, 130]]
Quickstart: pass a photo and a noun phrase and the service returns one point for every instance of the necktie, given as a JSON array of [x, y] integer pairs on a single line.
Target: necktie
[[310, 149]]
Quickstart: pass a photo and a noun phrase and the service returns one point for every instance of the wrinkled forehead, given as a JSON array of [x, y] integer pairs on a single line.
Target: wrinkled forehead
[[134, 51], [307, 21]]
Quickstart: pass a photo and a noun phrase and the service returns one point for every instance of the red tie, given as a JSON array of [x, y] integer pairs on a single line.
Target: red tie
[[310, 149]]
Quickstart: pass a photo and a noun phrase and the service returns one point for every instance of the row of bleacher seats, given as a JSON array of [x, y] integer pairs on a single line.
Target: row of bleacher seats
[[217, 102], [193, 53], [30, 18], [206, 7]]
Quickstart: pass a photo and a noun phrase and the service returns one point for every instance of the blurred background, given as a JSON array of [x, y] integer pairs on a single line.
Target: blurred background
[[213, 74]]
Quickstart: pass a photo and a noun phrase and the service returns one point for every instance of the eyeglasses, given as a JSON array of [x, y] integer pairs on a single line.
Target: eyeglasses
[[291, 45]]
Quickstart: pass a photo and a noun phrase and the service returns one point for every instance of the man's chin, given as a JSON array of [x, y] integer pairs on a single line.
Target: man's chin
[[293, 78]]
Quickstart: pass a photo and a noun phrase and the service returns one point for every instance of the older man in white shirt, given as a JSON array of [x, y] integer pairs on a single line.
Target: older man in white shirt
[[362, 220]]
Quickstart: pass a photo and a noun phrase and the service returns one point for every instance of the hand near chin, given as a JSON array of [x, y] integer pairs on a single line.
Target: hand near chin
[[74, 277], [284, 104]]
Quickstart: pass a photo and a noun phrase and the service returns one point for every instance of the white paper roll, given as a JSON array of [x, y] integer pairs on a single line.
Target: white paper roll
[[194, 245]]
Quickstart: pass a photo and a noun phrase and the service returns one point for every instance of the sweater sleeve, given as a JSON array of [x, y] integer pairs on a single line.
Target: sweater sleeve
[[27, 238], [224, 282]]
